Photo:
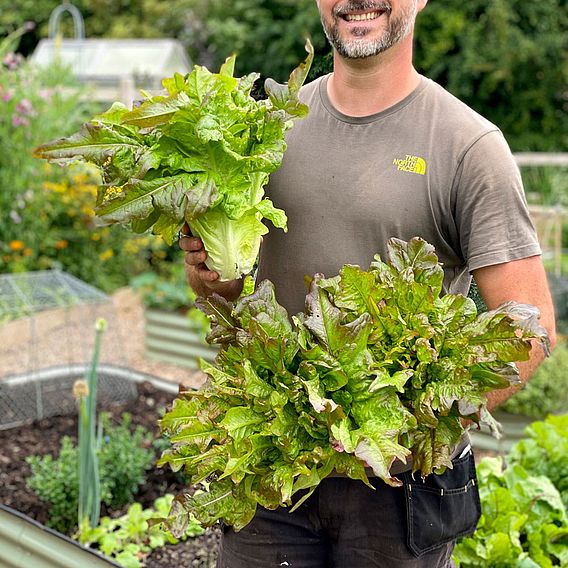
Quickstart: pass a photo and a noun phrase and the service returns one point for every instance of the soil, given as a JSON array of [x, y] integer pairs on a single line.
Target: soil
[[44, 436]]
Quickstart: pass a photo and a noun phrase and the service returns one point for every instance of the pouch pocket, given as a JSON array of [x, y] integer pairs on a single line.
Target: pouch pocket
[[443, 507]]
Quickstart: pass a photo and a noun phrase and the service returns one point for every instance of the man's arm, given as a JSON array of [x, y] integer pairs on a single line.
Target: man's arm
[[521, 281]]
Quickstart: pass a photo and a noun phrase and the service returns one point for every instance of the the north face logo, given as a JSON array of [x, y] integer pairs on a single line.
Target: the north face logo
[[413, 164]]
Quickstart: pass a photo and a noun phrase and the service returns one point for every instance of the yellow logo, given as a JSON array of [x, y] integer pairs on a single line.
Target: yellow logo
[[413, 164]]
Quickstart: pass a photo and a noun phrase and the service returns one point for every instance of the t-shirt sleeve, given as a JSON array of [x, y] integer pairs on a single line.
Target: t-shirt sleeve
[[491, 212]]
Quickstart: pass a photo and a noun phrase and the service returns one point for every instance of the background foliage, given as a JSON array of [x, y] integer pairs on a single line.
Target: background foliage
[[46, 212], [508, 59]]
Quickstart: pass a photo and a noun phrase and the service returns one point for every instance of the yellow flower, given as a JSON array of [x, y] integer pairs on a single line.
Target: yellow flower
[[112, 191], [61, 244], [17, 245], [131, 247], [106, 254]]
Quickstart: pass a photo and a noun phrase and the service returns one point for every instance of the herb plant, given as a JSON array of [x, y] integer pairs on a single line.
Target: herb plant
[[544, 451], [378, 368], [128, 540], [123, 461], [200, 154]]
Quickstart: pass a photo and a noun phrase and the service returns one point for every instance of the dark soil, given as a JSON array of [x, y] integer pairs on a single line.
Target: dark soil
[[44, 436]]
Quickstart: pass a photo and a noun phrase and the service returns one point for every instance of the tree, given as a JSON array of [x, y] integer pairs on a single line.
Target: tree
[[267, 35], [508, 59]]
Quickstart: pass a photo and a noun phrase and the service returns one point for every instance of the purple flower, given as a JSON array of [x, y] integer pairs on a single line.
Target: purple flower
[[24, 107], [18, 120], [7, 96], [15, 217]]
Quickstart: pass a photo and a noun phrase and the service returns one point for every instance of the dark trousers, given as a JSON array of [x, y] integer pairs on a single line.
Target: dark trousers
[[344, 524]]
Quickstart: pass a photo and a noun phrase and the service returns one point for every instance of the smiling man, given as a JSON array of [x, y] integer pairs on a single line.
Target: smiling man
[[369, 29], [385, 152]]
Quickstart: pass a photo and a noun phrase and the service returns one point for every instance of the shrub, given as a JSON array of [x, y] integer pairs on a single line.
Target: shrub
[[547, 391], [123, 459]]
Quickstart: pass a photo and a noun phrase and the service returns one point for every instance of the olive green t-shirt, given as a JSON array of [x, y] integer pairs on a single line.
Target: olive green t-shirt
[[429, 166]]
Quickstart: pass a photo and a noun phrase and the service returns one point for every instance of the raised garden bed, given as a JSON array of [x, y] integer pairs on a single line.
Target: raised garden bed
[[169, 337], [43, 437]]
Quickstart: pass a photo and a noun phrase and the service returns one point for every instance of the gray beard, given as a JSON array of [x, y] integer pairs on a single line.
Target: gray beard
[[398, 29]]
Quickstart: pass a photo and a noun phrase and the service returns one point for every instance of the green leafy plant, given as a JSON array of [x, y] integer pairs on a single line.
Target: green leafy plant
[[89, 475], [167, 290], [201, 154], [123, 460], [525, 517], [544, 451], [378, 368], [128, 539], [546, 392]]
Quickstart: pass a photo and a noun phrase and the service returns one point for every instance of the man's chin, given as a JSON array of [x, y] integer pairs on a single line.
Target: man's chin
[[359, 49]]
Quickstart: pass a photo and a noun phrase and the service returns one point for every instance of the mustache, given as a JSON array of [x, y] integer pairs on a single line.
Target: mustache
[[360, 5]]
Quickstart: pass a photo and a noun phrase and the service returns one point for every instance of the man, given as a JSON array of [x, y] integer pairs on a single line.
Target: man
[[385, 152]]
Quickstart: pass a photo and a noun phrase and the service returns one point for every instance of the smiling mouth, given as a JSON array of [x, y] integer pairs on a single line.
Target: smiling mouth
[[366, 17]]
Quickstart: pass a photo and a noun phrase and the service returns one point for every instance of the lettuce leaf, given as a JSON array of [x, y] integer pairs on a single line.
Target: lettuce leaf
[[378, 368], [201, 154]]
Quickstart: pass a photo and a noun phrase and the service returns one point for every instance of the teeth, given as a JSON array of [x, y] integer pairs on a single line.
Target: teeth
[[361, 17]]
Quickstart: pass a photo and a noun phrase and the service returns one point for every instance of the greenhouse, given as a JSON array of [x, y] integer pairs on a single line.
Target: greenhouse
[[116, 69]]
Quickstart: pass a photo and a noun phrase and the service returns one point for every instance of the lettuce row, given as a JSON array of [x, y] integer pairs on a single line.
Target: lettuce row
[[378, 368], [525, 504], [202, 153]]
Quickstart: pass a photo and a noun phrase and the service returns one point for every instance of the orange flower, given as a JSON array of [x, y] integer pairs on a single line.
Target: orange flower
[[61, 244], [28, 252], [17, 245]]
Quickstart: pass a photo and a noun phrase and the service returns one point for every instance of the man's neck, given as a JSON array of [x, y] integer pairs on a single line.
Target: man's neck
[[362, 87]]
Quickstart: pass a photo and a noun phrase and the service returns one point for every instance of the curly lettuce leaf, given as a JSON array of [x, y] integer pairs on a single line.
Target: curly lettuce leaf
[[378, 369], [202, 153]]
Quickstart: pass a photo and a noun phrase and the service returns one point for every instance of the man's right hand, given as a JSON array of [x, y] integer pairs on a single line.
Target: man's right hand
[[203, 281]]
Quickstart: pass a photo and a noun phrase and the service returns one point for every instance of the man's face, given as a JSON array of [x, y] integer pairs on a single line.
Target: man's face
[[363, 28]]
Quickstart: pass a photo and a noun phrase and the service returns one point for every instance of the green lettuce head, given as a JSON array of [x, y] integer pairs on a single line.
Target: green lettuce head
[[201, 153]]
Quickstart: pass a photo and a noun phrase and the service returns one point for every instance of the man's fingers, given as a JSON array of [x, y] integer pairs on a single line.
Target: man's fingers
[[190, 244], [195, 258], [209, 275], [203, 273]]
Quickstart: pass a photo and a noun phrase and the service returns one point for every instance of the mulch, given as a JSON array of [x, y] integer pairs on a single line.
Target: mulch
[[44, 437]]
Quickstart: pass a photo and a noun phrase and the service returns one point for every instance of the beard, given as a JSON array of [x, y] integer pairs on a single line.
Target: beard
[[398, 28]]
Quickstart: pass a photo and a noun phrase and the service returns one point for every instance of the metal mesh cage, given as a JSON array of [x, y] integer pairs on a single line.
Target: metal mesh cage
[[47, 336]]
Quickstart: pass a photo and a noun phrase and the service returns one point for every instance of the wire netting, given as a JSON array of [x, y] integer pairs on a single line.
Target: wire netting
[[47, 336]]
